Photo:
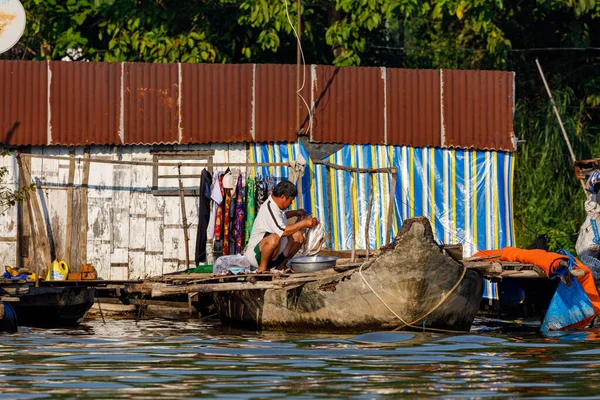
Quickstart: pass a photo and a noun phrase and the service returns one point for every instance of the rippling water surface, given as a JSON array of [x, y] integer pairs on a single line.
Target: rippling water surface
[[165, 359]]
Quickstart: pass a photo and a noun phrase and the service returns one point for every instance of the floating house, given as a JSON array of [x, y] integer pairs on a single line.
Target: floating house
[[448, 134]]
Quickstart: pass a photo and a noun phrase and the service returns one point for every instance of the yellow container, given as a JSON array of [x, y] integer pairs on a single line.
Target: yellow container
[[58, 271]]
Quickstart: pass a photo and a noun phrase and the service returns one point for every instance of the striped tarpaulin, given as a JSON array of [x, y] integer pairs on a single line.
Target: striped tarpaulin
[[466, 194]]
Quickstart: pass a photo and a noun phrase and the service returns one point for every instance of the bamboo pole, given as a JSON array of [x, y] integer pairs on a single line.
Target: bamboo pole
[[353, 200], [562, 127], [369, 210], [184, 220], [161, 164], [329, 205], [69, 227], [390, 215]]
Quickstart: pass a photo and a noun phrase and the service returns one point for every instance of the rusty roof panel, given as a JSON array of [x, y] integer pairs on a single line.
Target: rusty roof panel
[[151, 103], [276, 99], [478, 109], [216, 103], [24, 103], [85, 103], [349, 105], [413, 107]]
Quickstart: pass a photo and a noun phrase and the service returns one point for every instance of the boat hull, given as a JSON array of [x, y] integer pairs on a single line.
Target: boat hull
[[413, 285], [54, 306]]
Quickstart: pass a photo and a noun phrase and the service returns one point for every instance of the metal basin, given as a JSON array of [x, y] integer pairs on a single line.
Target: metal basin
[[312, 264]]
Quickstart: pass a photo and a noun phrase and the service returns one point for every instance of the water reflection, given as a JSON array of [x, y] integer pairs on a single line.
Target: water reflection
[[193, 359]]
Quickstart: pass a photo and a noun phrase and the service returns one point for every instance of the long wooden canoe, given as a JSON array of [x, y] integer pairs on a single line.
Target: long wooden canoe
[[413, 283]]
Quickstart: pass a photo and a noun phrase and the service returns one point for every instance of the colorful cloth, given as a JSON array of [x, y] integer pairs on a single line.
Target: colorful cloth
[[250, 208], [238, 232], [270, 185], [260, 193], [219, 217], [226, 210]]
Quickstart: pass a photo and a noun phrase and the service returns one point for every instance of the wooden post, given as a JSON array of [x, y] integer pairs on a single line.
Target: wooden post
[[369, 210], [26, 179], [184, 219], [70, 225], [390, 215], [329, 205], [353, 200], [83, 228]]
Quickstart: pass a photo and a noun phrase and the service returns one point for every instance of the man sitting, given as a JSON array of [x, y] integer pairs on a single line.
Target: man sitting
[[273, 242]]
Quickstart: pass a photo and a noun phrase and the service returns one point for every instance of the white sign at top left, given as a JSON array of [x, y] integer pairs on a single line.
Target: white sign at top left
[[12, 23]]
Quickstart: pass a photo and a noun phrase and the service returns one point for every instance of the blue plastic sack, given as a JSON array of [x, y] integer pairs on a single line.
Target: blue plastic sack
[[570, 304]]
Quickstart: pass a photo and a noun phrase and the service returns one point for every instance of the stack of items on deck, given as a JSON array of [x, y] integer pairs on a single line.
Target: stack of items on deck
[[227, 208]]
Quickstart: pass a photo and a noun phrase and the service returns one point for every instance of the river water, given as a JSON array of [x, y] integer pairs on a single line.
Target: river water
[[195, 359]]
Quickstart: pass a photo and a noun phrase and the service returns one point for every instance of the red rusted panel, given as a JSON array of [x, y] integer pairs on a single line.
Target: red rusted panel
[[216, 103], [23, 103], [275, 99], [349, 105], [151, 103], [413, 107], [85, 103], [478, 109]]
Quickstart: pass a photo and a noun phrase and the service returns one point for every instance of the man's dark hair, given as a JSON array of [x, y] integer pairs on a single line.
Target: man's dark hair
[[285, 188]]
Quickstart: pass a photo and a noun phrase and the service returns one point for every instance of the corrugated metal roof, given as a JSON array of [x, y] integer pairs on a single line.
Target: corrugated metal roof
[[349, 105], [478, 109], [24, 103], [93, 89], [216, 103], [276, 99], [151, 103], [413, 107], [129, 103]]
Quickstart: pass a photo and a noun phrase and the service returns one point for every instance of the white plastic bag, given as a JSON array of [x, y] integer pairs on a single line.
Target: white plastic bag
[[588, 241], [313, 240], [233, 263]]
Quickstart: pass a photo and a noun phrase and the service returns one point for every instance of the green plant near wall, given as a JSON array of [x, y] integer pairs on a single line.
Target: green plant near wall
[[10, 197]]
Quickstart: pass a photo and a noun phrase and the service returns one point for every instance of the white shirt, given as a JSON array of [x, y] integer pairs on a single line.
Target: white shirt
[[270, 219]]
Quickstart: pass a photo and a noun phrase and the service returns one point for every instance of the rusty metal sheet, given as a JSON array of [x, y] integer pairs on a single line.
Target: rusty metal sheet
[[24, 103], [275, 99], [151, 103], [216, 103], [85, 103], [413, 112], [349, 105], [478, 109]]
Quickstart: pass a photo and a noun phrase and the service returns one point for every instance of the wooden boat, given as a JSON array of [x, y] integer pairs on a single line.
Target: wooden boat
[[412, 283], [8, 317], [48, 305]]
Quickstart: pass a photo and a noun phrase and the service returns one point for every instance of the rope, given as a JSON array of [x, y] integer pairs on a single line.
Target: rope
[[412, 324]]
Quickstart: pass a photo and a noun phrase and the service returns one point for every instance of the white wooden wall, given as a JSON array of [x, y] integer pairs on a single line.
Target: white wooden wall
[[132, 233]]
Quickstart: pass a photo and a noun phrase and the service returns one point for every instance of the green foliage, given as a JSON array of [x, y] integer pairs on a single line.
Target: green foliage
[[10, 197], [464, 34]]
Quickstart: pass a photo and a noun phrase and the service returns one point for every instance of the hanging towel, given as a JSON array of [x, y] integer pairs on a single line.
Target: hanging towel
[[250, 208], [217, 198], [226, 211], [260, 193], [220, 217], [204, 197], [297, 169], [239, 216]]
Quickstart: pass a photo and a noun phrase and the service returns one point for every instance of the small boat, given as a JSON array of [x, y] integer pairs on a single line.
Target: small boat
[[51, 306], [412, 284], [8, 318]]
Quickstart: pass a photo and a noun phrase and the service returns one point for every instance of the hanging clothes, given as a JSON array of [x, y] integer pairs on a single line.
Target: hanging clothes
[[217, 198], [270, 185], [239, 216], [219, 214], [250, 209], [204, 197], [260, 193], [226, 219]]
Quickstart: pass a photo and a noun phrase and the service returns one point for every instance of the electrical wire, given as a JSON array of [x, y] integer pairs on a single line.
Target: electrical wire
[[298, 92]]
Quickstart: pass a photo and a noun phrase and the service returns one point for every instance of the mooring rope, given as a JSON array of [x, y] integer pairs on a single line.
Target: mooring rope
[[412, 324]]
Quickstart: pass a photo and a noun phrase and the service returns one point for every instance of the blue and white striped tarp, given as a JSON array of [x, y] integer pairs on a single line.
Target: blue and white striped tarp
[[466, 194]]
